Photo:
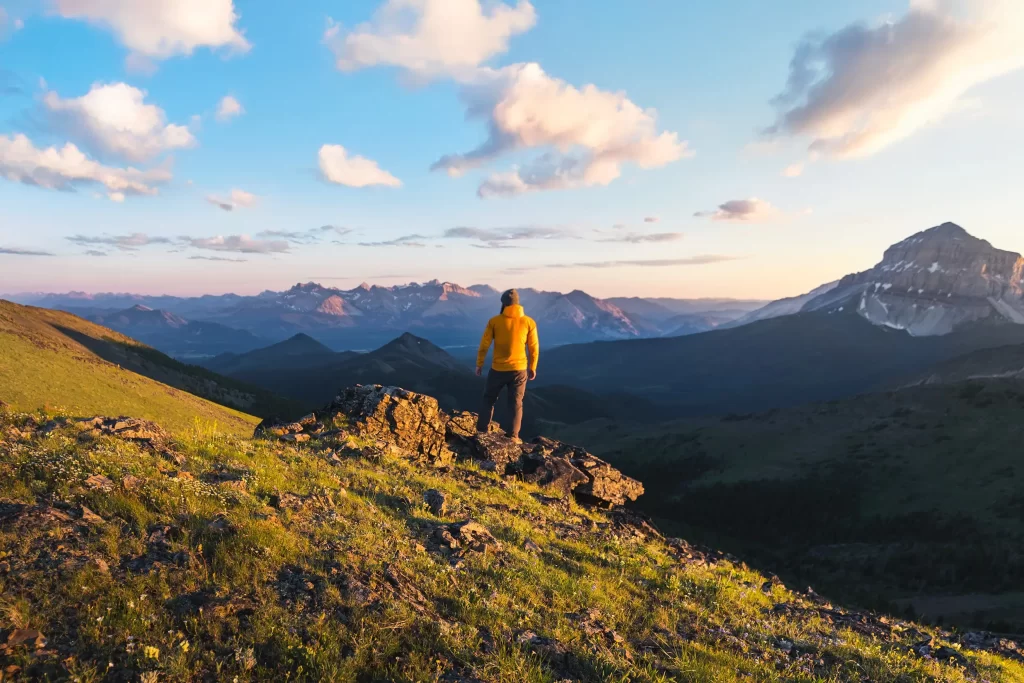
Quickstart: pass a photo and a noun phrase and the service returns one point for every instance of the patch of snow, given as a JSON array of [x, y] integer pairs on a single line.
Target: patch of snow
[[935, 268]]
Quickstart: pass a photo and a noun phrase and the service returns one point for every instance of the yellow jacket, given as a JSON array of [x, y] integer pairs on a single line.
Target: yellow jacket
[[513, 333]]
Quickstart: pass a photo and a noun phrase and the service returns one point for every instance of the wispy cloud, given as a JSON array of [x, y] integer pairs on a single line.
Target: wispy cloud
[[242, 244], [217, 258], [11, 251], [122, 242], [701, 260], [235, 200], [95, 252], [751, 210], [793, 170], [508, 234], [404, 241], [644, 238], [228, 108], [652, 219], [312, 235]]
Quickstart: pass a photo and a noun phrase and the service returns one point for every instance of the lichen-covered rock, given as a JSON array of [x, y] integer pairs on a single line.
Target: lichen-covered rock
[[413, 422]]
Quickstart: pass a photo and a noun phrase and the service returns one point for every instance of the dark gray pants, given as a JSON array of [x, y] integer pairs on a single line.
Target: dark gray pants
[[515, 381]]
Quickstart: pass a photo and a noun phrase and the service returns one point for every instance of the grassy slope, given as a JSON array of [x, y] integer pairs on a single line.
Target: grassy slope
[[50, 358], [903, 496], [345, 586]]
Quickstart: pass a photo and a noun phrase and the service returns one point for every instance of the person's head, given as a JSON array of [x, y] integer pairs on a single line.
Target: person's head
[[509, 298]]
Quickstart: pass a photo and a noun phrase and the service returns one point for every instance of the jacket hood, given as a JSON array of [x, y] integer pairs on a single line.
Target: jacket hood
[[515, 311]]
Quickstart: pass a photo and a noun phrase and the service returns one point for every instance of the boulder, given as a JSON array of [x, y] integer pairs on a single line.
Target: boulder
[[605, 486], [545, 470], [436, 501], [496, 448], [413, 422], [465, 537]]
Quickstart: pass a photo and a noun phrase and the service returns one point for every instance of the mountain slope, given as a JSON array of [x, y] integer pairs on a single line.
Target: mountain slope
[[176, 336], [1005, 362], [907, 499], [296, 352], [340, 560], [781, 307], [768, 364], [50, 358]]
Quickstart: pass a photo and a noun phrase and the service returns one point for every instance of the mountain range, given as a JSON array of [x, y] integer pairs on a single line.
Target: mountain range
[[368, 316]]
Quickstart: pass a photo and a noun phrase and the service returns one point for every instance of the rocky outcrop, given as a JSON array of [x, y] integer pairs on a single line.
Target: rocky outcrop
[[933, 282], [412, 422], [414, 425]]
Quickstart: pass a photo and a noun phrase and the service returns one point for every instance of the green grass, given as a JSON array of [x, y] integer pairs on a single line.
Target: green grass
[[55, 360], [347, 586]]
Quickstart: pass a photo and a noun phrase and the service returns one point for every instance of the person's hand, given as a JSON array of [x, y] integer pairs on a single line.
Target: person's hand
[[479, 372], [531, 375]]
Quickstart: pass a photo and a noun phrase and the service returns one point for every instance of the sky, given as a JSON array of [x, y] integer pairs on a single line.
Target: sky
[[736, 149]]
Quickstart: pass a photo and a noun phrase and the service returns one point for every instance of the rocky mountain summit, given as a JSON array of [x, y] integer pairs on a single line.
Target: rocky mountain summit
[[414, 426], [933, 282], [929, 284]]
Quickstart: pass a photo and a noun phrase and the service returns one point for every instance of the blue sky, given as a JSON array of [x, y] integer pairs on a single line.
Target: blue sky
[[902, 143]]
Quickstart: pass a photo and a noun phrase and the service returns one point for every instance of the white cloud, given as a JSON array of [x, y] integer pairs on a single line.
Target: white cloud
[[242, 244], [794, 170], [590, 133], [860, 89], [114, 119], [751, 210], [237, 199], [159, 29], [229, 108], [354, 171], [68, 167], [431, 37]]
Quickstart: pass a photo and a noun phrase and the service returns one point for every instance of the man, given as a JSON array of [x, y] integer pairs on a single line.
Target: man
[[516, 351]]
